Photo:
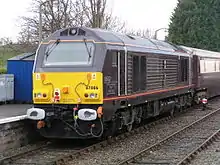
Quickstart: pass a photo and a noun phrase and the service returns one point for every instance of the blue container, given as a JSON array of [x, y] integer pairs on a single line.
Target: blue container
[[21, 66]]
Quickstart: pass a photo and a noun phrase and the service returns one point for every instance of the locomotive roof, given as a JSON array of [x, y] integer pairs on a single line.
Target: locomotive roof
[[131, 42]]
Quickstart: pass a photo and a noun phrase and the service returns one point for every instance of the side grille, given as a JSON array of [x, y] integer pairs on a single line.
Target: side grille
[[130, 72]]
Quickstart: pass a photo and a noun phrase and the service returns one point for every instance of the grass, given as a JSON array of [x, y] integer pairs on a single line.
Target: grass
[[7, 52]]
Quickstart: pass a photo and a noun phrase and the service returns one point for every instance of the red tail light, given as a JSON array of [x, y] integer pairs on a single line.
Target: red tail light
[[204, 101], [57, 97], [56, 93]]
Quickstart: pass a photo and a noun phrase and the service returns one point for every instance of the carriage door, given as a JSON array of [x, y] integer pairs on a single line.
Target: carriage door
[[196, 70], [190, 69]]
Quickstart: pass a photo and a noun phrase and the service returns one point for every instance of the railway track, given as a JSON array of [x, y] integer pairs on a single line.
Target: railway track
[[46, 154], [186, 160], [180, 147]]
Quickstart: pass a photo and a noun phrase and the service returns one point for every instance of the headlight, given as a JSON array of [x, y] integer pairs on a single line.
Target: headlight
[[87, 114], [36, 114], [92, 95], [39, 95]]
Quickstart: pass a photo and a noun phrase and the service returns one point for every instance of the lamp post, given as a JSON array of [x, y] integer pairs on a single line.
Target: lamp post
[[40, 18], [155, 34]]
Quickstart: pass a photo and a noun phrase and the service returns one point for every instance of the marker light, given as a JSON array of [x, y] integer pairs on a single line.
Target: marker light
[[44, 95], [42, 76], [89, 76], [86, 95], [65, 90]]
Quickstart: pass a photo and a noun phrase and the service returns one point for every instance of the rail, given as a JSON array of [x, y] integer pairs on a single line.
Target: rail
[[203, 146], [133, 158]]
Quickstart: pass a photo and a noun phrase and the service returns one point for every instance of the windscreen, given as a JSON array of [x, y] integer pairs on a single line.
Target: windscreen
[[69, 53]]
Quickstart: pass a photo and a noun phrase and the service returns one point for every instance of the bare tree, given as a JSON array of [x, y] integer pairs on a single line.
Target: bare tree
[[145, 33], [95, 12], [5, 41], [54, 16], [66, 13]]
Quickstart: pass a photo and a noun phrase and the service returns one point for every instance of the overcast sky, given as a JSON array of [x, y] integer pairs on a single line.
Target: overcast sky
[[138, 14]]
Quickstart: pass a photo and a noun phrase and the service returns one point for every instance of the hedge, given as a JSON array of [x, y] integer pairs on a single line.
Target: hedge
[[3, 70]]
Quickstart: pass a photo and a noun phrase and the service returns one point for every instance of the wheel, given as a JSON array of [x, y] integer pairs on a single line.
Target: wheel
[[129, 127], [172, 112], [110, 130], [138, 120]]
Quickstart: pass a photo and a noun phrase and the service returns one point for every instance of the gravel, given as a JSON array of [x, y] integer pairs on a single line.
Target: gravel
[[133, 144], [181, 145], [18, 150], [50, 152], [210, 156]]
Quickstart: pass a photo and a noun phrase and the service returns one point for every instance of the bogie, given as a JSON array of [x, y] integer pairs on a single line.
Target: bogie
[[130, 117]]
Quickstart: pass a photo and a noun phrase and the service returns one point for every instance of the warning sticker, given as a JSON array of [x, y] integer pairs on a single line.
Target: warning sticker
[[93, 76], [38, 76]]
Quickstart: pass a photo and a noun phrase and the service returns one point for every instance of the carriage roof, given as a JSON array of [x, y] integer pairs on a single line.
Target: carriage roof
[[201, 52]]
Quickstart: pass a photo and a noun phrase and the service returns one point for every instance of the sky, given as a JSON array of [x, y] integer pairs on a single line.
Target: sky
[[137, 14]]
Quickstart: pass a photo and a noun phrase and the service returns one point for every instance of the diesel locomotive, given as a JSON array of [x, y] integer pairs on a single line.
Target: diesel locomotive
[[92, 83]]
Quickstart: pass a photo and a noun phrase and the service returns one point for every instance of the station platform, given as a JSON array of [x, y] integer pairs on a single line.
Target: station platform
[[13, 112]]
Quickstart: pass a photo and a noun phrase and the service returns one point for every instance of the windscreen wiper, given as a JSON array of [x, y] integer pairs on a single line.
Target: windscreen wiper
[[52, 48], [88, 50]]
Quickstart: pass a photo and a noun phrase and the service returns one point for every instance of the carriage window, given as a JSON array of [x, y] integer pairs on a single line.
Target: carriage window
[[208, 65], [219, 65]]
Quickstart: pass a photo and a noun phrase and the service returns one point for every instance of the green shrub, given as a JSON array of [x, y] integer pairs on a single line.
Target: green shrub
[[3, 70]]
